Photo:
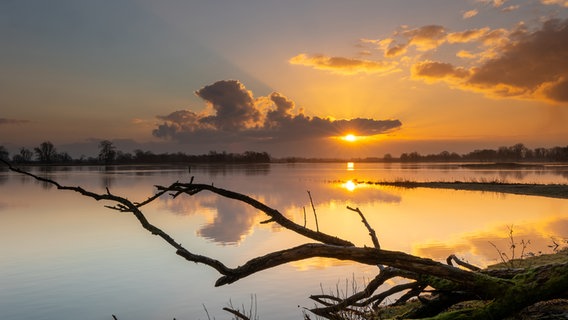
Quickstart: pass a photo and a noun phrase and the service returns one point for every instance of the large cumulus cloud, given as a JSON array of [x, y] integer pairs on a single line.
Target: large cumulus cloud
[[235, 115]]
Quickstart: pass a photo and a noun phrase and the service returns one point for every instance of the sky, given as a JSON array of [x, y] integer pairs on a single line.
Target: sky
[[292, 78]]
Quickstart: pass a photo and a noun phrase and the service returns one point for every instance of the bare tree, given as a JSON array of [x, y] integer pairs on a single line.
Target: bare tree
[[437, 286], [46, 152], [107, 151], [4, 154], [24, 155]]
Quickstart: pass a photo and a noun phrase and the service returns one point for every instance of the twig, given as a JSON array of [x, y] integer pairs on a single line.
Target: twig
[[236, 313], [461, 263], [206, 312], [368, 226], [304, 216], [314, 209], [512, 242], [341, 304], [501, 254]]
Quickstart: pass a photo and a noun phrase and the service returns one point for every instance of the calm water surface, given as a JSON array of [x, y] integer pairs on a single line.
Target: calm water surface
[[63, 256]]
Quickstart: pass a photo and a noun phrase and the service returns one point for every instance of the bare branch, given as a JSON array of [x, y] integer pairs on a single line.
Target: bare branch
[[352, 300], [461, 263], [379, 298], [305, 221], [368, 256], [368, 226], [501, 254], [314, 209], [236, 313]]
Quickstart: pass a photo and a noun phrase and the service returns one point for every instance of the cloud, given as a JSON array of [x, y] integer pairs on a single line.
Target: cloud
[[467, 36], [233, 105], [342, 65], [432, 70], [510, 8], [494, 3], [425, 38], [470, 14], [531, 65], [498, 3], [464, 54], [5, 121], [396, 50], [563, 3], [495, 37], [237, 117]]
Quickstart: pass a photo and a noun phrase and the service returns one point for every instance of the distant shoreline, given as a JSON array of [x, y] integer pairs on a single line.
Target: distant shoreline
[[559, 191], [462, 163]]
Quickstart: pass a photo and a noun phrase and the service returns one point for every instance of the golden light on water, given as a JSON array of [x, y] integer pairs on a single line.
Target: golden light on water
[[349, 185], [350, 166]]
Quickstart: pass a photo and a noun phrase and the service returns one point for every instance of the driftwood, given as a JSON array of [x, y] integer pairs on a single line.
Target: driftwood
[[436, 285]]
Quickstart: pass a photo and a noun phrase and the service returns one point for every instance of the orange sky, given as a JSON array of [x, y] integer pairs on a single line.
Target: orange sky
[[284, 77]]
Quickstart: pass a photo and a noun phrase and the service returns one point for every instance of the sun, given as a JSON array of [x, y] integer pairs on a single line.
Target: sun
[[350, 137]]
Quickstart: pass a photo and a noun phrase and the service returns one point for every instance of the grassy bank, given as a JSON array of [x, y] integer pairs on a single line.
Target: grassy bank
[[544, 190]]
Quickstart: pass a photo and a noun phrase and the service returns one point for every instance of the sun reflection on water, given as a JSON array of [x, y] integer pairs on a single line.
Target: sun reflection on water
[[349, 186]]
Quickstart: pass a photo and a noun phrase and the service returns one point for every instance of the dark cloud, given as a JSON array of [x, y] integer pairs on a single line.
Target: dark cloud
[[237, 117], [233, 105], [5, 121], [536, 63], [436, 70], [530, 65]]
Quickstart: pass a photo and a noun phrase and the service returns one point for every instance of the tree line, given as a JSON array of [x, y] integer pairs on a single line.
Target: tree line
[[46, 153], [515, 153]]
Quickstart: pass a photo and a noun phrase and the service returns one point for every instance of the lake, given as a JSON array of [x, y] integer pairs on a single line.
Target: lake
[[64, 256]]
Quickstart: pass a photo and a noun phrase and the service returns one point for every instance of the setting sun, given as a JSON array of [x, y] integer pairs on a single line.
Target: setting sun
[[350, 138]]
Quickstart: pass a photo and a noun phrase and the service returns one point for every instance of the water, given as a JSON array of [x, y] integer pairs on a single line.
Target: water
[[64, 256]]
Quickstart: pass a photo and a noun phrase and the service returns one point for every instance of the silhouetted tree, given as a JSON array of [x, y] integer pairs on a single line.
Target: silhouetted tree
[[144, 156], [519, 151], [559, 154], [4, 154], [63, 157], [123, 157], [107, 151], [481, 155], [46, 152], [540, 154], [24, 155]]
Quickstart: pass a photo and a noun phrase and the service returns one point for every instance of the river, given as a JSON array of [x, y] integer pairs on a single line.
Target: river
[[64, 256]]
